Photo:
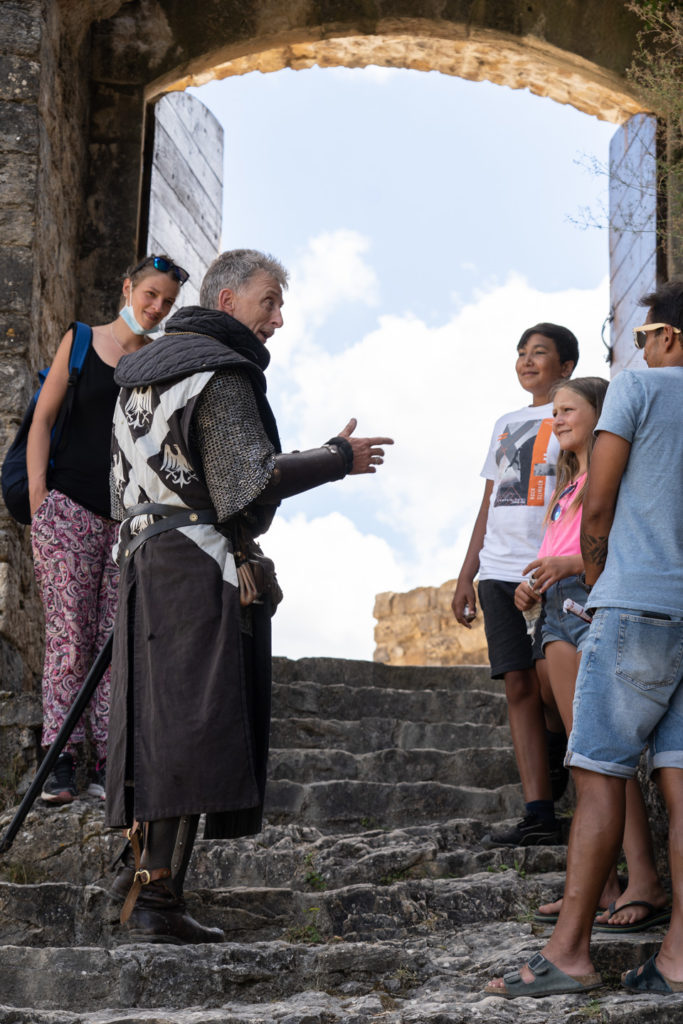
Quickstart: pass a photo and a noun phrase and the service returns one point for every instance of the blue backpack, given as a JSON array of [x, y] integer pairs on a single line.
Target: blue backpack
[[14, 472]]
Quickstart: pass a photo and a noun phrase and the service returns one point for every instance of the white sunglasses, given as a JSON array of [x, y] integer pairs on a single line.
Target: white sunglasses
[[640, 333]]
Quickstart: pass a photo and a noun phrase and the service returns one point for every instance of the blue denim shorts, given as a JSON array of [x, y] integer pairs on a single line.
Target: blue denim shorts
[[561, 625], [628, 694]]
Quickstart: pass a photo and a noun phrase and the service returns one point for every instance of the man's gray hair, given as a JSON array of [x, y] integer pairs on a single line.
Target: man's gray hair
[[233, 269]]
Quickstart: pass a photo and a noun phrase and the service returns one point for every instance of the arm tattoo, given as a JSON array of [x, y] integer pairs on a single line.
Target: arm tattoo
[[594, 549]]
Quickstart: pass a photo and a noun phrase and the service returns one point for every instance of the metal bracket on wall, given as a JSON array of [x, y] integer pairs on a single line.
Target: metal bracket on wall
[[608, 320]]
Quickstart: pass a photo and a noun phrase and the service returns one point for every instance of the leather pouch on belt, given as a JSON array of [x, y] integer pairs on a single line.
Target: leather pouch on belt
[[257, 578]]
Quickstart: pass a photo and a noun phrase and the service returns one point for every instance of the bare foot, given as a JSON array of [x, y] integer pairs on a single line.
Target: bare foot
[[551, 908], [609, 893], [499, 984], [670, 966], [633, 914]]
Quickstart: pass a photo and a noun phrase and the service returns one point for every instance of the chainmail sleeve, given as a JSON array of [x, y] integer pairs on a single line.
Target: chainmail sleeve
[[117, 510], [235, 453]]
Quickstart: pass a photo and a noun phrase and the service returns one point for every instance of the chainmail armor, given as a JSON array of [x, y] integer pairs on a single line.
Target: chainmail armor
[[236, 456], [117, 510]]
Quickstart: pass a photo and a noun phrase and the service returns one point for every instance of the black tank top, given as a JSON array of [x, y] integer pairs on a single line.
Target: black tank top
[[81, 467]]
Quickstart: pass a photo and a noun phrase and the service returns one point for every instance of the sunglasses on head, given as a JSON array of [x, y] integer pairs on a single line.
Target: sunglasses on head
[[164, 266], [640, 333]]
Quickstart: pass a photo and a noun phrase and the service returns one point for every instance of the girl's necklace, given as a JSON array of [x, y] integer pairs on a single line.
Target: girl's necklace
[[111, 329]]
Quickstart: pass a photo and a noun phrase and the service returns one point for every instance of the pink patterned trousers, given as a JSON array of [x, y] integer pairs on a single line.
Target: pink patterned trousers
[[78, 582]]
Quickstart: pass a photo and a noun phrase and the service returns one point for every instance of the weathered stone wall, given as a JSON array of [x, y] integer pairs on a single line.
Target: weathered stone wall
[[43, 104], [418, 628]]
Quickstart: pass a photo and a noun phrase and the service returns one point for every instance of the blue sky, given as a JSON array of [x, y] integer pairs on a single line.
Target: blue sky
[[426, 221]]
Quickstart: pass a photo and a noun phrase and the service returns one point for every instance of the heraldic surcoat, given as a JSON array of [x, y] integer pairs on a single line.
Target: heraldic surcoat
[[190, 700]]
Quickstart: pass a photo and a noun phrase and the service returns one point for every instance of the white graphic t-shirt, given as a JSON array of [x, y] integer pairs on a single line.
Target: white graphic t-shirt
[[521, 462]]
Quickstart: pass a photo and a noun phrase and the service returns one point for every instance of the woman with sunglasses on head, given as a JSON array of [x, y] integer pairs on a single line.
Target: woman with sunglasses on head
[[72, 533], [554, 577]]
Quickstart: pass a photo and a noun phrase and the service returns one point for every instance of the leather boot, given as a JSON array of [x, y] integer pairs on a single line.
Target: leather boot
[[124, 866], [158, 911]]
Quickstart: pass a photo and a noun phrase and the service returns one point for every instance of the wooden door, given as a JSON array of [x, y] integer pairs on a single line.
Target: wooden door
[[632, 232], [185, 187]]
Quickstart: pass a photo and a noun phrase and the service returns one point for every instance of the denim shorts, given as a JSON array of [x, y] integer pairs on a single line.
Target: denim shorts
[[560, 625], [628, 694]]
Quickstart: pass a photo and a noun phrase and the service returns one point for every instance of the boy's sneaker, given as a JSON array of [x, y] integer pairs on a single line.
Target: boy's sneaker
[[96, 786], [60, 787], [530, 831]]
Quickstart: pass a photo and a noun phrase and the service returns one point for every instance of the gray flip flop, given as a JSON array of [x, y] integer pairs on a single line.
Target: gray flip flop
[[549, 980]]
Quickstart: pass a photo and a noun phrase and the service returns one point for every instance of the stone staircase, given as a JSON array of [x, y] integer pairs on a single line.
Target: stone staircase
[[368, 896]]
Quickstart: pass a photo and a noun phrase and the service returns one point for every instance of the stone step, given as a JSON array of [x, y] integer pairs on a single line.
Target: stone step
[[341, 702], [336, 671], [342, 805], [484, 767], [67, 914], [447, 970], [71, 843], [304, 858], [367, 734]]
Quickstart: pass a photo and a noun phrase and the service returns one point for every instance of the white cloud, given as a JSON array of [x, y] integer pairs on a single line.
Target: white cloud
[[371, 72], [437, 391], [330, 273], [328, 570]]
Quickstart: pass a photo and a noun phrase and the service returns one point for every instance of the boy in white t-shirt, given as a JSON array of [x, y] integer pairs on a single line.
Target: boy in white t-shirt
[[520, 476]]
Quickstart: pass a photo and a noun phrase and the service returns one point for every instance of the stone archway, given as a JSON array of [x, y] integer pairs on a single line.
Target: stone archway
[[157, 47]]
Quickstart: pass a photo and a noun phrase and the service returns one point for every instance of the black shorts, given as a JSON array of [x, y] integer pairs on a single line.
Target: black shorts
[[510, 647]]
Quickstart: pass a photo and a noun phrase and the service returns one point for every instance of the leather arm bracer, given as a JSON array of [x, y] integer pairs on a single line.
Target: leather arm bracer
[[296, 472]]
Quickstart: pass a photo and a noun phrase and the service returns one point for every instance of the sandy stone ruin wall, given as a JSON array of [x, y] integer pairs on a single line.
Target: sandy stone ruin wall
[[418, 628]]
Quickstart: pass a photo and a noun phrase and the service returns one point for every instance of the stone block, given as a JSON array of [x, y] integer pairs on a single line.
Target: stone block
[[16, 385], [397, 628], [444, 596], [383, 605], [474, 639], [414, 654], [20, 709], [17, 227], [19, 78], [18, 178], [16, 278], [416, 601], [19, 130], [21, 617], [429, 623], [14, 334], [22, 26]]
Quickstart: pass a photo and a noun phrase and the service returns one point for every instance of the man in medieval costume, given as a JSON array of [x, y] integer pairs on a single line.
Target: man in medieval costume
[[197, 475]]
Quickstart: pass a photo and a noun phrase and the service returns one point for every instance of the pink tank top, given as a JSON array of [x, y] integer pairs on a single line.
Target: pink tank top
[[562, 534]]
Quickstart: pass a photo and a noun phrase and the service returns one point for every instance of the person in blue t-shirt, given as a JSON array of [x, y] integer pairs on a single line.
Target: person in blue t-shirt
[[629, 690]]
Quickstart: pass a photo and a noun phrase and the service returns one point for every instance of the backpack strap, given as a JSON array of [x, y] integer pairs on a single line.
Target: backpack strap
[[79, 349]]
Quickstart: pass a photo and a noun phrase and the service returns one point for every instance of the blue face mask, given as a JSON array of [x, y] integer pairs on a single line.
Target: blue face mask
[[130, 319]]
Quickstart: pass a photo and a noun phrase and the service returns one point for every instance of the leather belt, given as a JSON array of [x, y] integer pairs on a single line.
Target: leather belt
[[172, 518]]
